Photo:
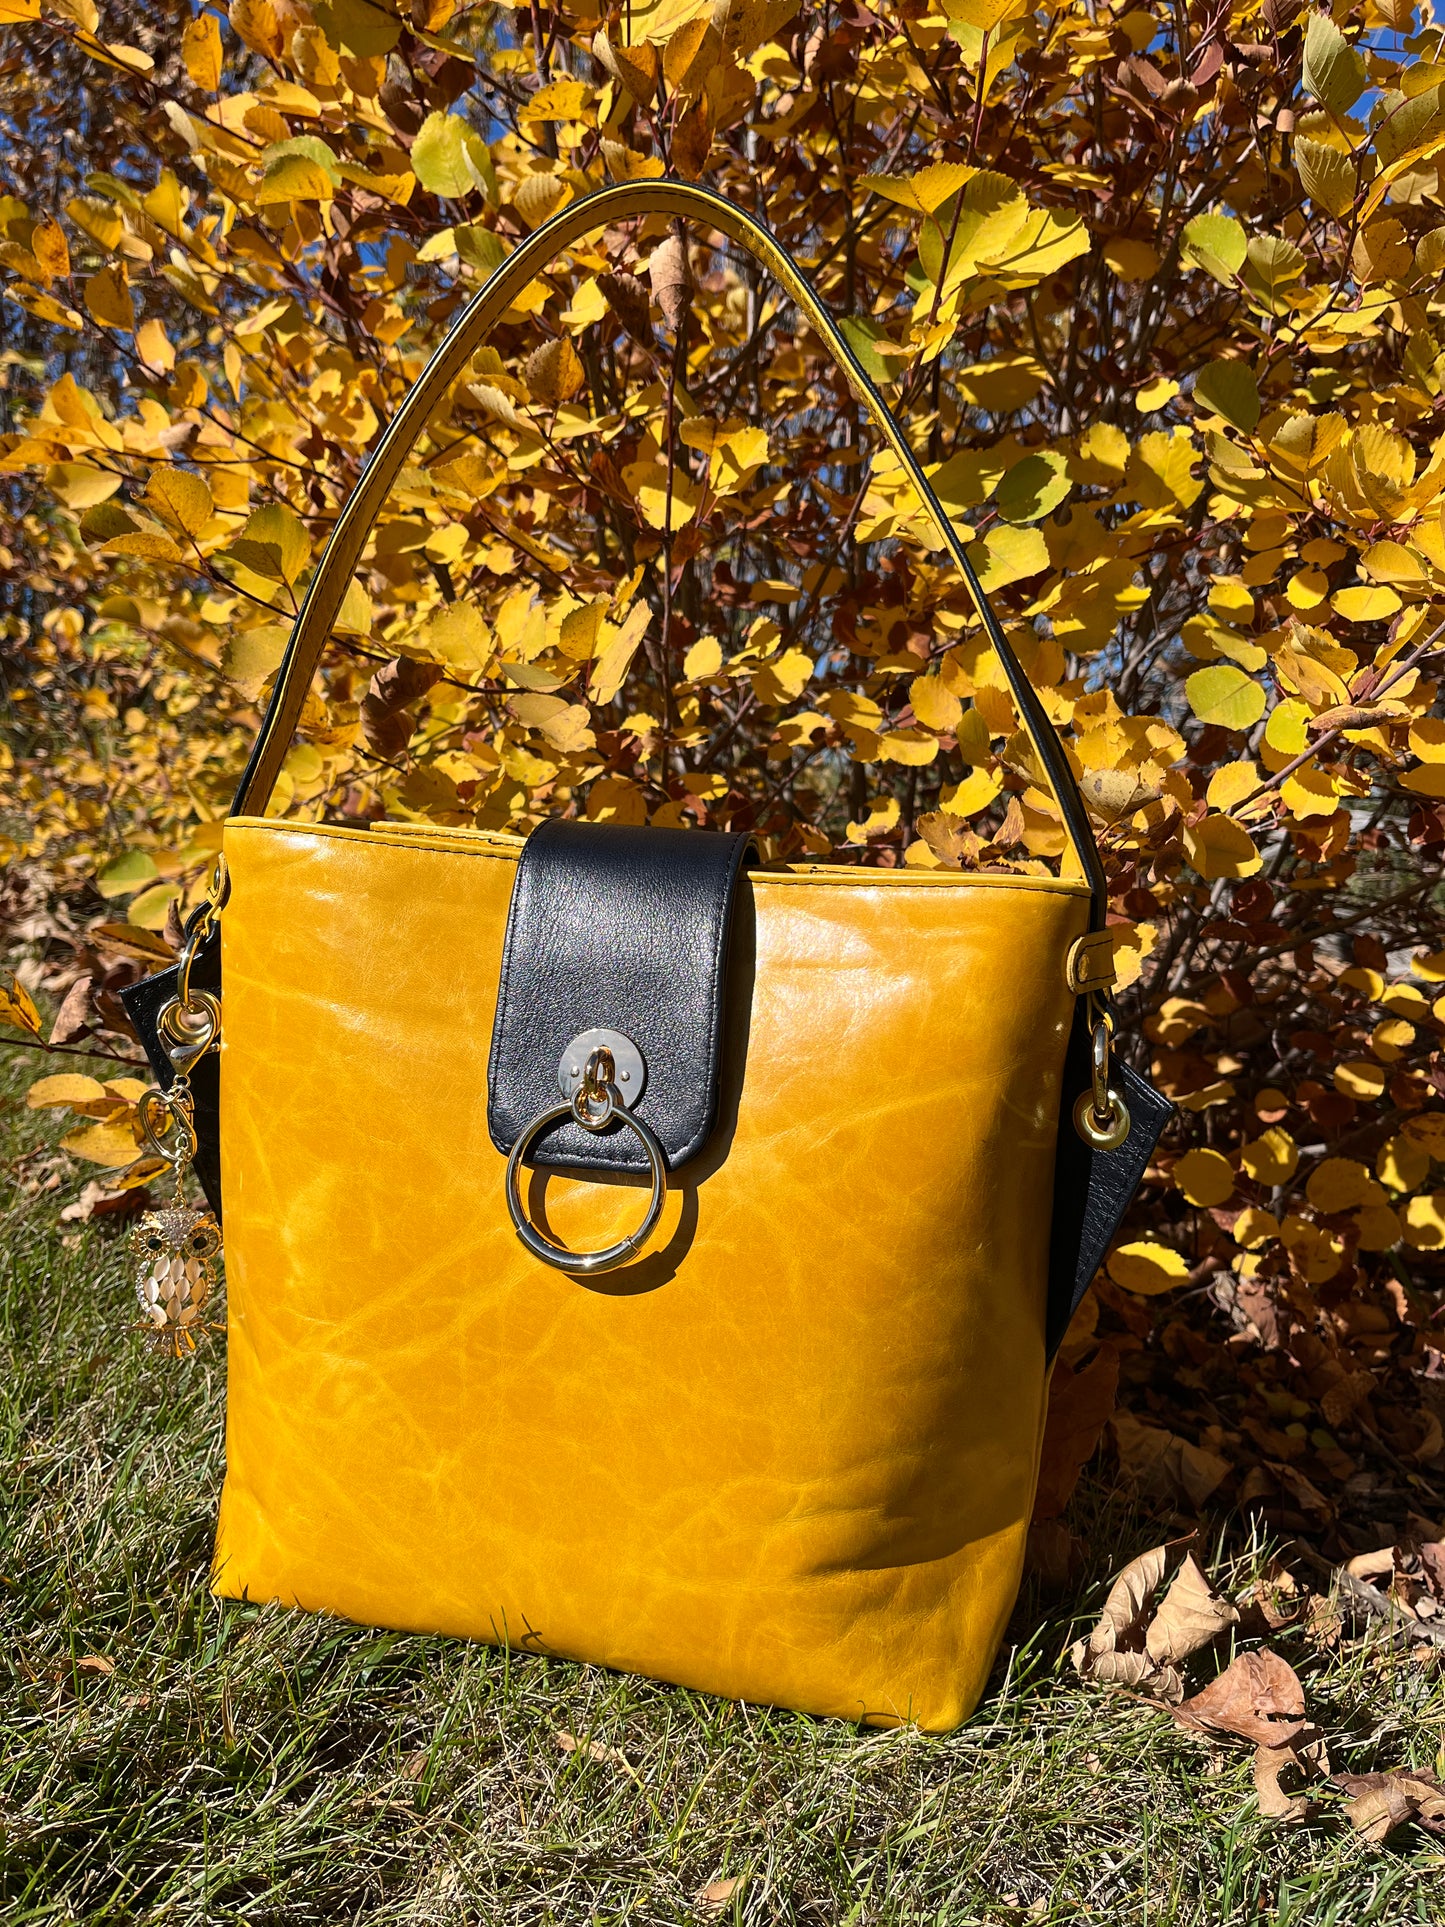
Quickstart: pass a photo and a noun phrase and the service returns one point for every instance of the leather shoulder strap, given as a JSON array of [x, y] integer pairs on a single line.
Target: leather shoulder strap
[[470, 330]]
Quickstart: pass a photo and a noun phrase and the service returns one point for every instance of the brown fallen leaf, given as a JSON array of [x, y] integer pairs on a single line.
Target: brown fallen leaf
[[1377, 1803], [1324, 1625], [1190, 1615], [1126, 1607], [1277, 1598], [95, 1201], [1163, 1465], [1394, 1584], [1114, 1652], [715, 1896], [76, 1015], [671, 276], [1257, 1697], [627, 298], [595, 1750], [95, 1663], [1274, 1802], [1373, 1565], [1353, 716], [1304, 1760]]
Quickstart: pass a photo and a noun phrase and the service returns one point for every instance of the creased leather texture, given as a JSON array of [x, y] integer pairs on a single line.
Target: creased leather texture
[[626, 929], [144, 1002], [1093, 1189], [789, 1454]]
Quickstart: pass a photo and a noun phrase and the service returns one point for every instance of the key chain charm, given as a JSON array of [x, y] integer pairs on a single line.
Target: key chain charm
[[174, 1249]]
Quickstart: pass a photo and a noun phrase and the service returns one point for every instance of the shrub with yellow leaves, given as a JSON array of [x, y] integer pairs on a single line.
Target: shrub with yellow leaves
[[1155, 291]]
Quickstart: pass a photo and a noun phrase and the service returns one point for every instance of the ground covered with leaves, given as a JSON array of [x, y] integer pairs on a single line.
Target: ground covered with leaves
[[168, 1757]]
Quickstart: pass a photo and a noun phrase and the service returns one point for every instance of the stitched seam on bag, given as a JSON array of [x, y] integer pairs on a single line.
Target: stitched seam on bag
[[837, 878], [368, 839], [499, 1020]]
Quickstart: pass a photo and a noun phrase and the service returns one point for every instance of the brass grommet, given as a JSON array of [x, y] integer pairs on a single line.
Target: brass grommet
[[1104, 1131]]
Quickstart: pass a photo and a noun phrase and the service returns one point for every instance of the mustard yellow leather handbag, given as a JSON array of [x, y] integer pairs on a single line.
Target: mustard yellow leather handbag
[[634, 1254]]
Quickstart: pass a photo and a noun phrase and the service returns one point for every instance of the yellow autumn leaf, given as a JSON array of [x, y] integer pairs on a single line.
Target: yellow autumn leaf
[[1360, 1078], [273, 544], [1255, 1227], [48, 246], [977, 790], [1205, 1177], [1131, 260], [934, 703], [113, 1145], [914, 747], [553, 372], [180, 498], [666, 502], [1315, 1254], [1226, 694], [81, 486], [1009, 554], [1425, 1222], [1220, 847], [1230, 784], [1272, 1158], [1339, 1184], [108, 298], [1148, 1268], [618, 646], [457, 636], [703, 660], [1310, 791], [360, 27], [1402, 1164], [294, 177], [783, 678], [65, 1089], [1365, 603], [202, 53], [882, 817], [148, 545], [922, 192], [17, 1009]]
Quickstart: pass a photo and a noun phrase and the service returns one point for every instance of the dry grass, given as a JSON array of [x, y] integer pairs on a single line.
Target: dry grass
[[164, 1757]]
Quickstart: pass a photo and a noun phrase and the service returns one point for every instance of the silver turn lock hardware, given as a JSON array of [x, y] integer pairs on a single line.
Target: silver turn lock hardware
[[601, 1076]]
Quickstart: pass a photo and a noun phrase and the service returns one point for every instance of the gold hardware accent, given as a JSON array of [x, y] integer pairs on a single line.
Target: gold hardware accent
[[1101, 1117], [1089, 965], [189, 1030], [173, 1248], [199, 926], [594, 1104]]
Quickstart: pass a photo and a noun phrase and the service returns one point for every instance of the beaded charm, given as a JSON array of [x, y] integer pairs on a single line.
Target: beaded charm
[[174, 1249]]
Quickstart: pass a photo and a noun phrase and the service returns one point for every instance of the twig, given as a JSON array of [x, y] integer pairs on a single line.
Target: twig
[[72, 1050]]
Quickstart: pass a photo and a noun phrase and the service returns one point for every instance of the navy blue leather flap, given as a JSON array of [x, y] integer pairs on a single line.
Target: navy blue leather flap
[[623, 929]]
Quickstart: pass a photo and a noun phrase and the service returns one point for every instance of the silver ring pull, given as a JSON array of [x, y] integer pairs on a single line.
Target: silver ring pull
[[595, 1102]]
